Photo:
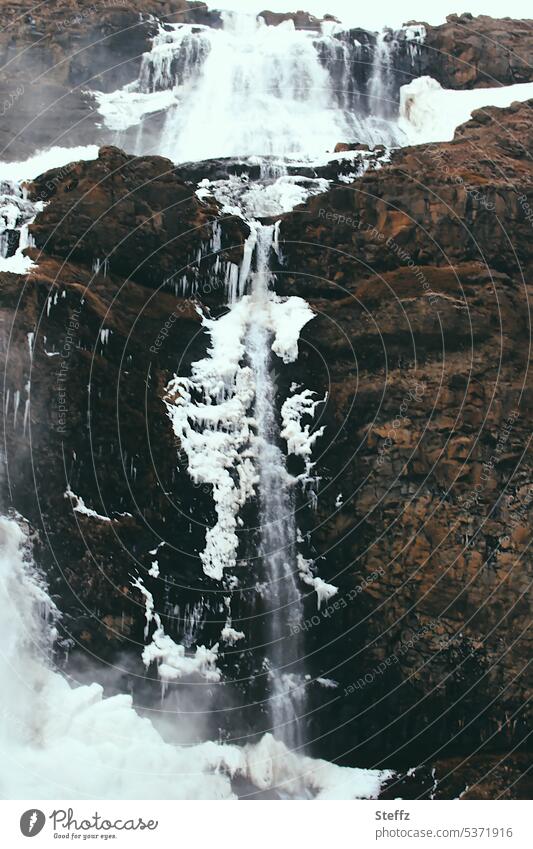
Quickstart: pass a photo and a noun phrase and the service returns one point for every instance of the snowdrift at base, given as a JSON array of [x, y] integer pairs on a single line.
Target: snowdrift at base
[[72, 743]]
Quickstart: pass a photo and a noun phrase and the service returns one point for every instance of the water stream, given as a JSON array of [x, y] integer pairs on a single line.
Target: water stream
[[269, 95], [277, 547]]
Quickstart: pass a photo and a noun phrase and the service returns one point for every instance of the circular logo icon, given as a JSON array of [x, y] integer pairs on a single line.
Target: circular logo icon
[[32, 822]]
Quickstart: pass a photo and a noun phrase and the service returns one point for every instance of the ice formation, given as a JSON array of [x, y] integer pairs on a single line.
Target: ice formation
[[79, 506], [171, 658], [323, 590], [17, 212], [211, 409], [224, 416], [300, 440]]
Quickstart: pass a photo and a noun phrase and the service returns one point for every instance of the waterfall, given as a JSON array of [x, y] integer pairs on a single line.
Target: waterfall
[[175, 59], [247, 89], [226, 413], [277, 527], [271, 94], [225, 416], [380, 84], [262, 88]]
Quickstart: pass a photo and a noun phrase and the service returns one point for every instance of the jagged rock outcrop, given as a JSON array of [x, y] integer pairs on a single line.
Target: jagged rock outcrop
[[300, 19], [477, 52], [134, 214]]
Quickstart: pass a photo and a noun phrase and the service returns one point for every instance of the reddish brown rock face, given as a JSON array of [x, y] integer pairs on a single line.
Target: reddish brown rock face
[[477, 52], [419, 274], [133, 211]]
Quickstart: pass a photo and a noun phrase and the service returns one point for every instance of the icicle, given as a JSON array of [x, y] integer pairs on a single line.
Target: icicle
[[30, 337], [26, 408], [16, 406]]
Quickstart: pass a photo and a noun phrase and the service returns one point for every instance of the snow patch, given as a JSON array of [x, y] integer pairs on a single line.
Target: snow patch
[[430, 113], [46, 160], [79, 506]]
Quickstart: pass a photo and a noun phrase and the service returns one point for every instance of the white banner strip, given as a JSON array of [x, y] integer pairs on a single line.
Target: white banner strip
[[258, 824]]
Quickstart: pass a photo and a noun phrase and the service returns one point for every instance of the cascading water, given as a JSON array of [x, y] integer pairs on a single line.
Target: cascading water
[[268, 91], [380, 85], [271, 94], [277, 527]]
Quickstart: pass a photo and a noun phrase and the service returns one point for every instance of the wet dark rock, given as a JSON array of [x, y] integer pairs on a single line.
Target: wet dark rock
[[217, 169], [135, 214]]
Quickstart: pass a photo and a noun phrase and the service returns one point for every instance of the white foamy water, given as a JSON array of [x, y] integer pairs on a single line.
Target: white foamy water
[[247, 89], [66, 742]]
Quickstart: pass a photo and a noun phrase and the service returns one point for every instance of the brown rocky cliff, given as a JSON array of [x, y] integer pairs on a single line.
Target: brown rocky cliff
[[300, 19], [95, 339], [420, 277], [477, 52], [133, 212]]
